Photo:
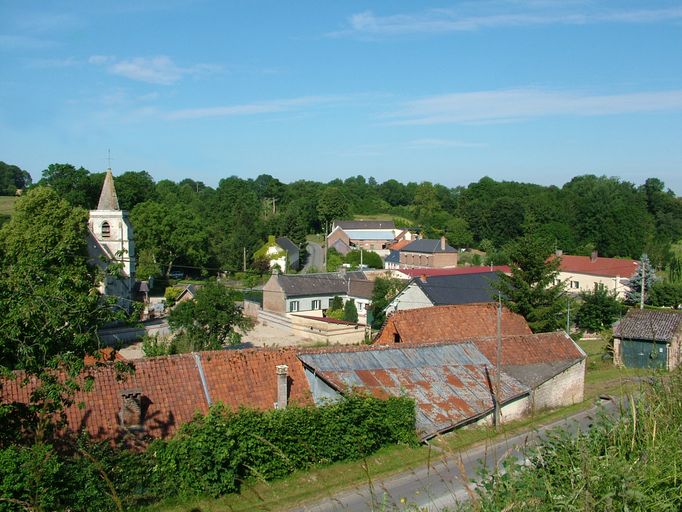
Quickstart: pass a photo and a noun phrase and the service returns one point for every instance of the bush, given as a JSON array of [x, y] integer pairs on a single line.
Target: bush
[[350, 311]]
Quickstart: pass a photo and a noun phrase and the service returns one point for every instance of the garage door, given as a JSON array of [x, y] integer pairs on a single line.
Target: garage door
[[644, 354]]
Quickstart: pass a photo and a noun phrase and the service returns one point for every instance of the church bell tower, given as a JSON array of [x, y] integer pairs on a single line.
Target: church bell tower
[[111, 242]]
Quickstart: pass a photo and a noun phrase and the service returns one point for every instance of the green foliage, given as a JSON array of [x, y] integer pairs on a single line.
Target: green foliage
[[369, 258], [666, 294], [334, 260], [12, 178], [385, 290], [350, 311], [336, 304], [214, 454], [532, 289], [634, 294], [208, 321], [599, 309], [628, 463], [77, 186]]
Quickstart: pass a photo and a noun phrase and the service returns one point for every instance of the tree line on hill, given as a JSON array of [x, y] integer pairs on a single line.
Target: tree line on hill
[[189, 224]]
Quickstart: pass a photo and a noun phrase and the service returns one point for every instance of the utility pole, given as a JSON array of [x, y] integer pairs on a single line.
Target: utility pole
[[568, 316], [498, 361], [244, 259], [641, 298]]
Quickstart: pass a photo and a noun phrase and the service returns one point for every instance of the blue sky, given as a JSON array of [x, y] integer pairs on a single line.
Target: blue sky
[[525, 90]]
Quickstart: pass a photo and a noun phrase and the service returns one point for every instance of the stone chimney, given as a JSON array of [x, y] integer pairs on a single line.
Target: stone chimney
[[442, 243], [593, 257], [130, 414], [282, 386]]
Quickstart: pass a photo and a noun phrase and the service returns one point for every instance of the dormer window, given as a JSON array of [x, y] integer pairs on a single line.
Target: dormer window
[[106, 230]]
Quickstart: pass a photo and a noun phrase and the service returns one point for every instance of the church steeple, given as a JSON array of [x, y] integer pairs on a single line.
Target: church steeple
[[108, 199]]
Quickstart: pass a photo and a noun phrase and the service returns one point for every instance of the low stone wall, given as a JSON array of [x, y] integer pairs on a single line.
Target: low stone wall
[[332, 333]]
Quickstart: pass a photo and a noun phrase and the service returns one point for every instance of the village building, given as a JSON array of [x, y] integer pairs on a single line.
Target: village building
[[441, 290], [451, 383], [369, 235], [281, 253], [111, 243], [583, 273], [442, 323], [428, 253], [647, 338]]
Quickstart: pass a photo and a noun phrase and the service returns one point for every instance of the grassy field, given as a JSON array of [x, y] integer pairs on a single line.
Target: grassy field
[[7, 204], [602, 378]]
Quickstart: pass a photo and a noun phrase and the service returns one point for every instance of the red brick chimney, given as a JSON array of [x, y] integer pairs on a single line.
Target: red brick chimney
[[422, 278]]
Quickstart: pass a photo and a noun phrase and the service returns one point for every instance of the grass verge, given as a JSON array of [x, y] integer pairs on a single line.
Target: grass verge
[[7, 205]]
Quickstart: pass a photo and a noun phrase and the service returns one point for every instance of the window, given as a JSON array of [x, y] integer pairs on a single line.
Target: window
[[330, 303], [575, 285], [396, 337], [293, 306], [106, 230], [317, 304]]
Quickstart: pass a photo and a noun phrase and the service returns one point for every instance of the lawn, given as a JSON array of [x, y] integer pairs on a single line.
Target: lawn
[[7, 205], [601, 378]]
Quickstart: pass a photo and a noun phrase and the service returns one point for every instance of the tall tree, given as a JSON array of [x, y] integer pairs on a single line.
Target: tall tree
[[209, 321], [532, 289], [77, 186], [598, 310], [12, 178], [643, 278], [133, 188]]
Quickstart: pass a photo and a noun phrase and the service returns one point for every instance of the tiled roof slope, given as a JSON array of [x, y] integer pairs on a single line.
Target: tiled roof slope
[[287, 244], [400, 244], [427, 246], [329, 283], [649, 324], [450, 383], [364, 224], [459, 289], [442, 323], [533, 358], [609, 267], [172, 391], [429, 272]]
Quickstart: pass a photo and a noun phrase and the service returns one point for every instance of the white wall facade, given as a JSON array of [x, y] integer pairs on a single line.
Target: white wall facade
[[576, 283], [411, 297]]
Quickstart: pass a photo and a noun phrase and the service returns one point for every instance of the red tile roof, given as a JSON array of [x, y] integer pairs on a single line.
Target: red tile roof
[[609, 267], [441, 323], [400, 244], [172, 390], [428, 272]]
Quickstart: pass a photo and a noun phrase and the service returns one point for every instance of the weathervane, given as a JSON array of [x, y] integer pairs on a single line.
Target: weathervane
[[108, 158]]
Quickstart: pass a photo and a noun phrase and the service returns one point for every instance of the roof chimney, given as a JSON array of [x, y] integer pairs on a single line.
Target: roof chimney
[[558, 253], [422, 278], [282, 386], [593, 257], [442, 243]]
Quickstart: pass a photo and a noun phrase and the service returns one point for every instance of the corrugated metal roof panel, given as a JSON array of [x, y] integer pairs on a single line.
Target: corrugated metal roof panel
[[448, 382]]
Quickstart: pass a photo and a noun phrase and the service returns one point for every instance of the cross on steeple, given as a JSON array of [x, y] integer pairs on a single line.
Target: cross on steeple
[[109, 159]]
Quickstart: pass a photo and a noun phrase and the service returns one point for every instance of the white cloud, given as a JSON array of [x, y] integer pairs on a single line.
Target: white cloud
[[263, 107], [469, 17], [515, 104], [154, 70]]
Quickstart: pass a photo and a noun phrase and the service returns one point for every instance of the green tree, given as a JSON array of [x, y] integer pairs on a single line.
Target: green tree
[[666, 294], [369, 258], [350, 311], [208, 322], [385, 290], [12, 178], [645, 272], [50, 309], [333, 204], [133, 188], [77, 186], [457, 232], [598, 310], [532, 289]]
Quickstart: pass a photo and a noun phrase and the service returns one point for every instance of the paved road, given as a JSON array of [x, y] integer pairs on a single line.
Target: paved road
[[445, 481], [315, 257]]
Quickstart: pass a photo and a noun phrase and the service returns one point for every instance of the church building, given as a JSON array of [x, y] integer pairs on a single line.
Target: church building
[[111, 243]]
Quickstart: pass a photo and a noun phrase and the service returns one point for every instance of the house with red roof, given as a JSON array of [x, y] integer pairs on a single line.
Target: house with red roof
[[583, 273]]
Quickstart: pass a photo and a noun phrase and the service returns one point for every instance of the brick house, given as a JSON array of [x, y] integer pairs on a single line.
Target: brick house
[[428, 253]]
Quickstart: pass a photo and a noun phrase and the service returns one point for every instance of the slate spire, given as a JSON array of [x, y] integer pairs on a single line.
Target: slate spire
[[108, 199]]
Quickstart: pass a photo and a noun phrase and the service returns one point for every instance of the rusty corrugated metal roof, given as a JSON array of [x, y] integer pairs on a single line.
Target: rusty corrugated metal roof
[[450, 383]]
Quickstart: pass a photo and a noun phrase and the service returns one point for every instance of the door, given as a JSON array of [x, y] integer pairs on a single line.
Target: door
[[644, 354]]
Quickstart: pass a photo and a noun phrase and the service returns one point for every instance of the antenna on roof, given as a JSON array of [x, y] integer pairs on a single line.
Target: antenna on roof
[[498, 362]]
